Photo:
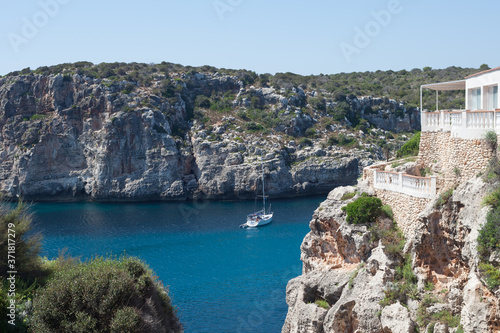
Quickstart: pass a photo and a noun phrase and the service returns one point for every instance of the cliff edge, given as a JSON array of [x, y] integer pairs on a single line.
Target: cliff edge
[[357, 279]]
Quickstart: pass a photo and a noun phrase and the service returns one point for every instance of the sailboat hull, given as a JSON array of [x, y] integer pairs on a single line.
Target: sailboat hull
[[258, 220]]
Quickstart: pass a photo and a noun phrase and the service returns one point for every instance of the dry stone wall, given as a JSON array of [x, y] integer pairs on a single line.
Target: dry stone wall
[[406, 209], [453, 160]]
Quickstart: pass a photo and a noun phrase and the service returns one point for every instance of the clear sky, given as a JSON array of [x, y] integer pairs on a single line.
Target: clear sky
[[304, 37]]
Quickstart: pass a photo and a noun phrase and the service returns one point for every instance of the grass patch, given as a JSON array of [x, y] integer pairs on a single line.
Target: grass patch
[[354, 274], [322, 304], [348, 196], [404, 286], [443, 199]]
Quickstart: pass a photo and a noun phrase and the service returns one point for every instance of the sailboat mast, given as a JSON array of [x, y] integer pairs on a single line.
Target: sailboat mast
[[263, 192]]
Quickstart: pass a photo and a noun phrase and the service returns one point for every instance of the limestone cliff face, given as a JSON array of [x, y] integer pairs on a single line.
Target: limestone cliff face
[[76, 138], [351, 273]]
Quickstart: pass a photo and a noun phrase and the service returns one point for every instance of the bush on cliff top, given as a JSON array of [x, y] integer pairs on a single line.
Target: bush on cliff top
[[363, 210], [410, 148], [102, 295]]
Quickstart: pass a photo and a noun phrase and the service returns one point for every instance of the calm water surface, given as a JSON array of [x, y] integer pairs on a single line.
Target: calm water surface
[[221, 278]]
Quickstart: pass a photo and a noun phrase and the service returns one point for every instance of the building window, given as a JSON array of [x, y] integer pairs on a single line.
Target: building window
[[475, 99], [493, 97]]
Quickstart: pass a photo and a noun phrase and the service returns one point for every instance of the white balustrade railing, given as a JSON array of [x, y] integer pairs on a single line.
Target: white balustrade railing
[[421, 187], [462, 123], [456, 120]]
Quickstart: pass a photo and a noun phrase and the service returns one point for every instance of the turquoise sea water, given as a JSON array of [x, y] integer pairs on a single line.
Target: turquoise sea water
[[221, 278]]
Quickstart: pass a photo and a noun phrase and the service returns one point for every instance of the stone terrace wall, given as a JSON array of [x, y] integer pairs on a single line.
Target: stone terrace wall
[[453, 160], [406, 209]]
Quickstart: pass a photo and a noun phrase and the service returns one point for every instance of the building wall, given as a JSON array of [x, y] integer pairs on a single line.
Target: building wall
[[480, 81], [453, 159]]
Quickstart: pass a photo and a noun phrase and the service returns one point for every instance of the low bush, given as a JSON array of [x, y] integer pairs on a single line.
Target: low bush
[[443, 199], [387, 210], [102, 295], [410, 148], [404, 286], [305, 142], [492, 199], [491, 275], [489, 234], [348, 196], [15, 224], [491, 139], [322, 304], [363, 210]]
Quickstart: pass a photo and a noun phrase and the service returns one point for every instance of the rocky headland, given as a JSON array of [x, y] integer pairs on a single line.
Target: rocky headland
[[74, 137], [354, 282]]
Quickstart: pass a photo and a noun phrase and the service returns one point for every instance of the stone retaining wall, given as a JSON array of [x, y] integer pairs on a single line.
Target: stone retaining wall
[[453, 160], [406, 209]]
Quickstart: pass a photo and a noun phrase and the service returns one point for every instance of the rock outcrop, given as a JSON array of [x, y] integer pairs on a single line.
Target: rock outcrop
[[342, 265], [76, 138]]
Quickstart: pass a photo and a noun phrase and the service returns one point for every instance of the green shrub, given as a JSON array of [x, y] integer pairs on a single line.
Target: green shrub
[[387, 210], [322, 304], [27, 245], [363, 210], [38, 117], [443, 199], [102, 295], [491, 275], [492, 199], [342, 140], [410, 148], [310, 132], [305, 142], [126, 320], [491, 139], [348, 196], [202, 101], [489, 234], [404, 286]]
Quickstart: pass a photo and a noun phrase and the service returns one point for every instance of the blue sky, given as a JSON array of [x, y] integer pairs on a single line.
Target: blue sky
[[304, 37]]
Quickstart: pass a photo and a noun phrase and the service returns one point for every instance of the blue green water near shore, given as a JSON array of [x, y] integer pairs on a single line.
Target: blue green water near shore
[[221, 278]]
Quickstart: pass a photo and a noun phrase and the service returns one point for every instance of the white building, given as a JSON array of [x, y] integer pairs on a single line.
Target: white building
[[481, 114]]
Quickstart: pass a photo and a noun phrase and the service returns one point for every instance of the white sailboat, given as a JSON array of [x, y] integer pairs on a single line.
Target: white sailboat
[[263, 216]]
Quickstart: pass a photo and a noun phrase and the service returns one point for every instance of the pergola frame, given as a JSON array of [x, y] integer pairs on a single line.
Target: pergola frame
[[444, 86]]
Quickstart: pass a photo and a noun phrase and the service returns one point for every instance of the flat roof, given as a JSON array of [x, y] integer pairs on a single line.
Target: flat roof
[[451, 85], [483, 72]]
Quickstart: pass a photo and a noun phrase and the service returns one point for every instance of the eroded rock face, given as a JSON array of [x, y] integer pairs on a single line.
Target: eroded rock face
[[443, 252], [395, 318], [76, 138]]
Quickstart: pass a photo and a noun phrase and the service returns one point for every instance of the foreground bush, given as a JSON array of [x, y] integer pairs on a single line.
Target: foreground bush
[[16, 224], [363, 210], [103, 295]]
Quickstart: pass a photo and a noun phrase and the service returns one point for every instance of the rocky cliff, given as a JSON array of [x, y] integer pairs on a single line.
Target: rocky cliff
[[73, 137], [353, 282]]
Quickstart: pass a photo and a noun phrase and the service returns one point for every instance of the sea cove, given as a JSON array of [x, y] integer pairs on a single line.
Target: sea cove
[[221, 278]]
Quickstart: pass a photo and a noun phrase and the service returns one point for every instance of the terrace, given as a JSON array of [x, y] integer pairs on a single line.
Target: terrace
[[481, 114]]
